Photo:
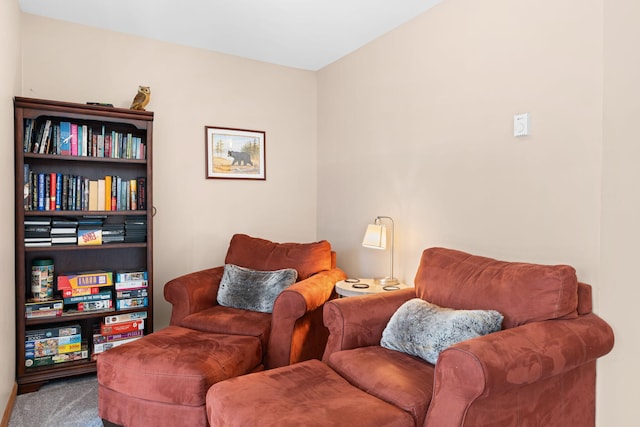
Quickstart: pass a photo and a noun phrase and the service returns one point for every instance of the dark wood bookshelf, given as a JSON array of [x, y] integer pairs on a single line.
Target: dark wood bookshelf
[[72, 258]]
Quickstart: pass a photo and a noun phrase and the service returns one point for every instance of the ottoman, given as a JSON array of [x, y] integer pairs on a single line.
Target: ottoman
[[162, 379], [304, 394]]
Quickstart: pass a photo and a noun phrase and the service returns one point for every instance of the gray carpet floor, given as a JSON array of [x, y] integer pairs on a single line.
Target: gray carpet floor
[[61, 403]]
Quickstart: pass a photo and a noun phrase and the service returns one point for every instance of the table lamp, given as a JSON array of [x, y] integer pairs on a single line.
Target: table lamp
[[376, 238]]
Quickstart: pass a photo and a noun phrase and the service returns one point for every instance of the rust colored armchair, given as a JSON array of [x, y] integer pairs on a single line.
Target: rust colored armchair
[[538, 369], [162, 379], [294, 331]]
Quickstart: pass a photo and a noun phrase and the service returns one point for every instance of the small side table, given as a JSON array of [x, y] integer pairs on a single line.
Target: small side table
[[346, 288]]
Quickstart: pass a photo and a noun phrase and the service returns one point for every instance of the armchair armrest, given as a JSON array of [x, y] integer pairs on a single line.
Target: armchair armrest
[[192, 292], [293, 304], [503, 361], [359, 321]]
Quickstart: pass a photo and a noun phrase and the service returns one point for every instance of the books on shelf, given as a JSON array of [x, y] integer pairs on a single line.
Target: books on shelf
[[56, 191], [49, 135]]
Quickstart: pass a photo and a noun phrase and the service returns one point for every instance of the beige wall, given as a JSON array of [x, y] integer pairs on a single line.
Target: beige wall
[[619, 291], [419, 123], [191, 88], [9, 87]]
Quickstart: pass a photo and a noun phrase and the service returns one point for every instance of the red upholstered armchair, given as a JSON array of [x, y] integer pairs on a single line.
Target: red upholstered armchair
[[293, 331], [539, 370]]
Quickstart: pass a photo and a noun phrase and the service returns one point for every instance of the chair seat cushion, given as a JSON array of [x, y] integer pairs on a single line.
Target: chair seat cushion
[[177, 365], [228, 320], [306, 394], [404, 381]]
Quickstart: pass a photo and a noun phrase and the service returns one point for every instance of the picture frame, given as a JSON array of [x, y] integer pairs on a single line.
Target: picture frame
[[235, 153]]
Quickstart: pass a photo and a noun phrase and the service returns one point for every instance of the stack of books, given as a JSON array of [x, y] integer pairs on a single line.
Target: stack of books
[[131, 290]]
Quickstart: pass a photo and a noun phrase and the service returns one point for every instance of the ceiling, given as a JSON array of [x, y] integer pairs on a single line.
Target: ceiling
[[306, 34]]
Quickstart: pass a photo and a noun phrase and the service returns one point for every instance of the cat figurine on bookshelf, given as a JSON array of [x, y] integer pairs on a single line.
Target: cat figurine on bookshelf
[[141, 99]]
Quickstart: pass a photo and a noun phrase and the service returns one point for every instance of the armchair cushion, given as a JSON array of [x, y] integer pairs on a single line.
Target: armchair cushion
[[253, 289], [522, 292], [423, 329], [261, 254]]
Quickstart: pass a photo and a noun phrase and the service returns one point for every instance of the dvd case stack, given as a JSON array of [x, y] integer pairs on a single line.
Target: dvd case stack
[[135, 229]]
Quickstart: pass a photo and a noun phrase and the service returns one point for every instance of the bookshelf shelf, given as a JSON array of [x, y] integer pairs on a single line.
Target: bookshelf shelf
[[66, 248], [117, 145]]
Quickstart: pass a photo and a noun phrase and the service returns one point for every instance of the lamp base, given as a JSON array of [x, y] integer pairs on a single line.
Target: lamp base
[[386, 281]]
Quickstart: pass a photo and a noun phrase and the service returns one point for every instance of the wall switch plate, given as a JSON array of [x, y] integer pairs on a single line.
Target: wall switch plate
[[521, 124]]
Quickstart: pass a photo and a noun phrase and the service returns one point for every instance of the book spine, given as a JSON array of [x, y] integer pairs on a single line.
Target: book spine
[[142, 193], [45, 137], [74, 139], [114, 193], [65, 138], [59, 180], [85, 145], [41, 188], [47, 191], [80, 136], [52, 191], [34, 191], [26, 176]]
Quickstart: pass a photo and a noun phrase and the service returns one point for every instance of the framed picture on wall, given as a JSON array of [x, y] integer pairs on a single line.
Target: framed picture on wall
[[235, 153]]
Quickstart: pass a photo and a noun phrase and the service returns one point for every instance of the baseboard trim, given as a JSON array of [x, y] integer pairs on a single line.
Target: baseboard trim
[[9, 408]]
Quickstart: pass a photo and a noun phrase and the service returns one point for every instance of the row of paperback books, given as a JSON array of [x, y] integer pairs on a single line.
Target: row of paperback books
[[58, 191], [86, 230], [93, 291], [48, 136]]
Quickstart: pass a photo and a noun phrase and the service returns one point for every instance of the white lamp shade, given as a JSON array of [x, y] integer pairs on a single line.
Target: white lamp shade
[[375, 237]]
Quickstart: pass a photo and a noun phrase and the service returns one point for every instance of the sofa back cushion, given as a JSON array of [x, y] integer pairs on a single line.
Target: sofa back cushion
[[522, 292], [260, 254]]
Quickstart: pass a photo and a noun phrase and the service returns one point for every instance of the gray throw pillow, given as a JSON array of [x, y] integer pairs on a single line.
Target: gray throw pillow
[[424, 330], [252, 289]]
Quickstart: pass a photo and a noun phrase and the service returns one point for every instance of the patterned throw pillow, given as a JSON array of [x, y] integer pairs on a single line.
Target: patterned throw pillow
[[252, 289], [424, 330]]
